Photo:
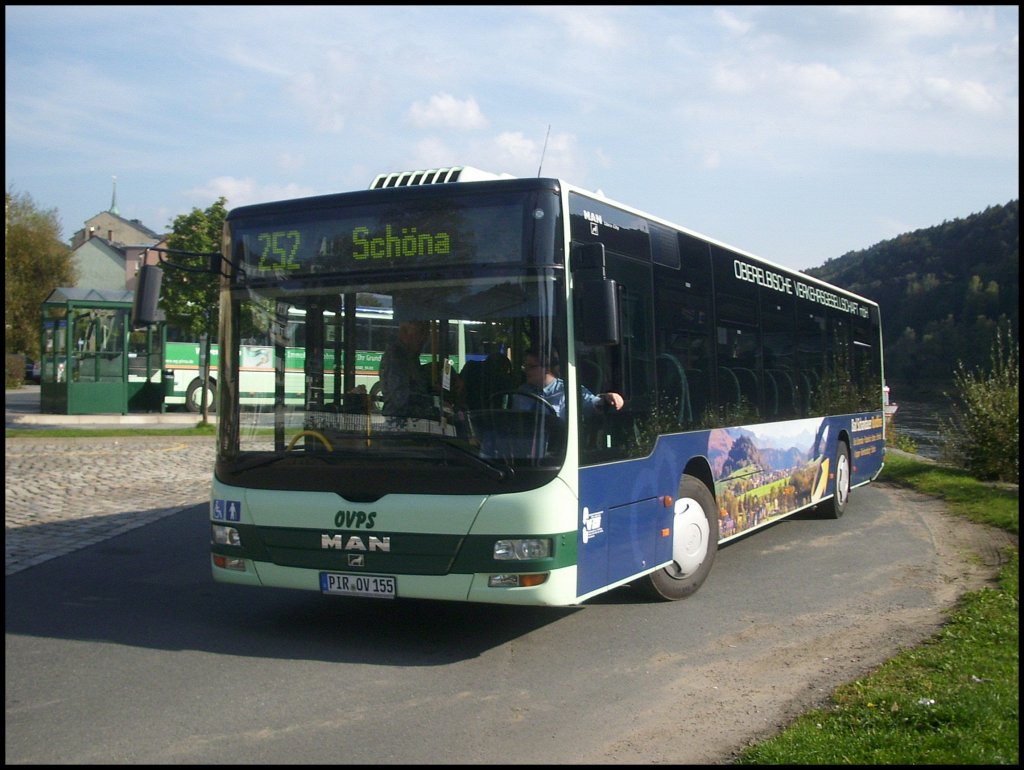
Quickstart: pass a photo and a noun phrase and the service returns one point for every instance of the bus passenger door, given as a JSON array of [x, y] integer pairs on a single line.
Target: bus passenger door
[[619, 498]]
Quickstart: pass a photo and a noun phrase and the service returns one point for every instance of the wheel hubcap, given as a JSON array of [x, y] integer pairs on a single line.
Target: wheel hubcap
[[690, 536], [842, 479]]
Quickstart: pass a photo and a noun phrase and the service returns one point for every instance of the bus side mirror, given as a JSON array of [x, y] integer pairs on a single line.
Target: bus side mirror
[[597, 300], [596, 297], [147, 297]]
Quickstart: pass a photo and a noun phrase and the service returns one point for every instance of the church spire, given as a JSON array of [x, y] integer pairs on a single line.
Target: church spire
[[113, 199]]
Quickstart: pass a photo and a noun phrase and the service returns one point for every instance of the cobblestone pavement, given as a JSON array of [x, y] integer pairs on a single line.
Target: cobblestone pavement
[[62, 494]]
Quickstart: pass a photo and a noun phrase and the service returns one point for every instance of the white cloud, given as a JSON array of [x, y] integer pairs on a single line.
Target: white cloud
[[591, 26], [512, 152], [905, 22], [963, 95], [290, 161], [731, 22], [242, 192], [445, 111], [430, 152], [516, 148], [508, 152]]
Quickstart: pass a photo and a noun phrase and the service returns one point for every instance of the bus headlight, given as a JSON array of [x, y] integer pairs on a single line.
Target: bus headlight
[[523, 549], [226, 535]]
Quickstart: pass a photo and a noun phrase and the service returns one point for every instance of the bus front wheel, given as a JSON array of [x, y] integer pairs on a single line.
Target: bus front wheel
[[694, 543], [194, 394], [835, 506]]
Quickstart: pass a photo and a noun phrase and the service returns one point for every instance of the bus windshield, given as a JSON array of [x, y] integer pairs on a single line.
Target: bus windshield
[[388, 366]]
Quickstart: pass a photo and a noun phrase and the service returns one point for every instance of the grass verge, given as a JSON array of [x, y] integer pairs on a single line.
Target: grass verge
[[209, 429], [954, 699]]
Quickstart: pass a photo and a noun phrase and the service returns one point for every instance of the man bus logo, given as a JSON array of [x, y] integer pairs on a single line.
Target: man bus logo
[[355, 543]]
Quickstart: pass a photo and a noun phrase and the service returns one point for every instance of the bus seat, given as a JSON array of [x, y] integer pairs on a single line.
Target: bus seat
[[810, 380], [750, 386], [772, 393], [497, 374], [787, 392], [729, 386], [485, 378], [472, 379], [675, 376]]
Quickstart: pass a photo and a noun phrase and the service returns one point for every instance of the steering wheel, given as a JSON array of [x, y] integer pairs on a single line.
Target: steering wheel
[[526, 394], [546, 423], [312, 433]]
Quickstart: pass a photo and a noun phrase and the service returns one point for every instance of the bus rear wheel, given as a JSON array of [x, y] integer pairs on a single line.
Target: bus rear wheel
[[194, 394], [694, 544]]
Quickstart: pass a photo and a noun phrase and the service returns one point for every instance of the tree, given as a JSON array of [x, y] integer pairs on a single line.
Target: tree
[[983, 434], [36, 262], [190, 297]]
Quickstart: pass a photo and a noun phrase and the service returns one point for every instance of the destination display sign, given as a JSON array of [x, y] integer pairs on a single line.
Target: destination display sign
[[446, 231]]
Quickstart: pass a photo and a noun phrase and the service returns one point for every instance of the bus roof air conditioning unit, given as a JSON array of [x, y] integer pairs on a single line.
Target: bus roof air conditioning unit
[[434, 176]]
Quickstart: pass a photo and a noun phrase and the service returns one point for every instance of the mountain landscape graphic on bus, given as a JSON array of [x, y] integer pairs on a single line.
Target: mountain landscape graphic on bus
[[763, 471]]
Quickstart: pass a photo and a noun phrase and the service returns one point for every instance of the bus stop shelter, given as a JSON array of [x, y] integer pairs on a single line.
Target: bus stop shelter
[[91, 360]]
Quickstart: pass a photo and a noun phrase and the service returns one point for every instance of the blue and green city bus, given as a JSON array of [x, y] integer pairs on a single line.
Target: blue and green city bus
[[751, 392]]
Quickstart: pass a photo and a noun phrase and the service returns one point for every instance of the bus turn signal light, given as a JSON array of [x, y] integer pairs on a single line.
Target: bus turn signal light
[[516, 580]]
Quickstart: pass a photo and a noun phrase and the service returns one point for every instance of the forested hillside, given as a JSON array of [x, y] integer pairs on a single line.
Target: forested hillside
[[943, 291]]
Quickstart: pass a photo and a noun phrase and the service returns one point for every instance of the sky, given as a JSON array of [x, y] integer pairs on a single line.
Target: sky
[[797, 133]]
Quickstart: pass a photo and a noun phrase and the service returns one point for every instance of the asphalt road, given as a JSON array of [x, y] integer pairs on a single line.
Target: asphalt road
[[125, 651]]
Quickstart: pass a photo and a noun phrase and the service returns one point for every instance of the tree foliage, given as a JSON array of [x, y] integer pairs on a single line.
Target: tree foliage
[[191, 298], [983, 434], [36, 262]]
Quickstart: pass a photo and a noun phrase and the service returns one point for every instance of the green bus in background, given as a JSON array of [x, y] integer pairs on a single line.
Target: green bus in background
[[374, 329]]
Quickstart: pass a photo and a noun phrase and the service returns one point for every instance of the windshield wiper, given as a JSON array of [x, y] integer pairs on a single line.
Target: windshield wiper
[[464, 453], [262, 462]]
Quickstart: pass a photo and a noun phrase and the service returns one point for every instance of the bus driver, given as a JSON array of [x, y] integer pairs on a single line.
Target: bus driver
[[542, 380]]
